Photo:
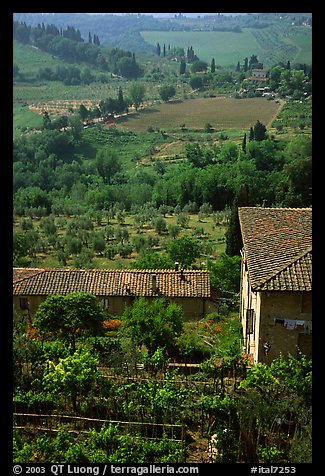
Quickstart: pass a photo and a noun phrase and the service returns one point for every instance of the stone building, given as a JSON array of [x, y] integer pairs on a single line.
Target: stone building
[[116, 288], [276, 281]]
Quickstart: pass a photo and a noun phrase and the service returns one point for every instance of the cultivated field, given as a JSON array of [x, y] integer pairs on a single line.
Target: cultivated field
[[221, 112]]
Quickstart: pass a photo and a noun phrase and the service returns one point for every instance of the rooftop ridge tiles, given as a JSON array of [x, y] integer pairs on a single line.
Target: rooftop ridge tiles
[[286, 267], [111, 270], [35, 271]]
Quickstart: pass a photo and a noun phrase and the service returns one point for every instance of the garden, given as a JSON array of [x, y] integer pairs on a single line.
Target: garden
[[148, 387]]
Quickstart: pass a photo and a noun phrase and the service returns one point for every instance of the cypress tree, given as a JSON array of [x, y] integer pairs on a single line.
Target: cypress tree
[[259, 131], [234, 241], [120, 100], [182, 67], [244, 143]]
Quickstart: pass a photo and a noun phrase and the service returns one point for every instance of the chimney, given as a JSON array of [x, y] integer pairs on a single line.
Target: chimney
[[176, 265], [154, 283]]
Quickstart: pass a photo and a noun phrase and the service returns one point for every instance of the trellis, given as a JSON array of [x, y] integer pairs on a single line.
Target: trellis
[[46, 422]]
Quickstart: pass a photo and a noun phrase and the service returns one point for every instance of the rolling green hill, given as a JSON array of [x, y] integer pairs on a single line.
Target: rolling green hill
[[272, 45], [274, 37], [227, 48]]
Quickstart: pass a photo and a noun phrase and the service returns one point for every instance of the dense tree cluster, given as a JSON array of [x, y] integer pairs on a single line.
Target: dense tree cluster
[[70, 46], [47, 172]]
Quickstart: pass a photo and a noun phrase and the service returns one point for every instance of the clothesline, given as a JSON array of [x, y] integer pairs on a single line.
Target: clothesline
[[291, 324]]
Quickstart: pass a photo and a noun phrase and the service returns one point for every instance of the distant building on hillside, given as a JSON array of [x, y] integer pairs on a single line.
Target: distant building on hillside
[[260, 74]]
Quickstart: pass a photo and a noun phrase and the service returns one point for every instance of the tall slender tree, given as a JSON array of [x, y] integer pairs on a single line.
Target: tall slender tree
[[244, 143], [234, 241], [182, 67]]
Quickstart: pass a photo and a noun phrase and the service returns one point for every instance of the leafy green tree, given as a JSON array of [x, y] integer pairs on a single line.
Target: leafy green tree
[[160, 225], [265, 155], [166, 92], [72, 375], [184, 250], [70, 316], [47, 123], [83, 112], [128, 67], [299, 183], [31, 197], [73, 245], [199, 156], [107, 164], [121, 234], [153, 260], [21, 246], [196, 82], [86, 76], [276, 402], [76, 127], [153, 324], [84, 259], [199, 66], [225, 272], [173, 230], [99, 242], [137, 92], [183, 219]]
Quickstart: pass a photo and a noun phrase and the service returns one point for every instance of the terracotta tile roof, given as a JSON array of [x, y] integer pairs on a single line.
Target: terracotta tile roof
[[169, 283], [278, 247]]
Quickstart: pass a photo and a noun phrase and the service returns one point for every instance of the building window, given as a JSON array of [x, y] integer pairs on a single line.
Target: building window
[[23, 303], [106, 303], [250, 317]]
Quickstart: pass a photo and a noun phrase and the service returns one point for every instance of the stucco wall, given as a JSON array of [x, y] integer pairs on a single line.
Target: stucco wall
[[280, 312], [276, 313], [194, 308]]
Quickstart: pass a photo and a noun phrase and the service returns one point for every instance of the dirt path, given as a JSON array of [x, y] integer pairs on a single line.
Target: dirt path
[[282, 103], [198, 449]]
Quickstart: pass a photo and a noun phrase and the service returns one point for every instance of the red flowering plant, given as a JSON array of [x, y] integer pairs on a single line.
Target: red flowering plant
[[32, 332], [112, 324]]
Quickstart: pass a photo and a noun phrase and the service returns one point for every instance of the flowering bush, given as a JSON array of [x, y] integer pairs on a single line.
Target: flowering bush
[[112, 324], [32, 332]]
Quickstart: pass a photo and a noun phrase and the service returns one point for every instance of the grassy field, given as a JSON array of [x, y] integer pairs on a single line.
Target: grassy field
[[271, 45], [226, 48], [22, 115]]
